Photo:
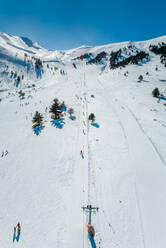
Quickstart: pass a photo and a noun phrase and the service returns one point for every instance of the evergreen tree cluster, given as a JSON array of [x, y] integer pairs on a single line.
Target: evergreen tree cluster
[[87, 55], [62, 72], [98, 58], [33, 61], [21, 94], [56, 108], [117, 60], [92, 117], [140, 78], [156, 92], [38, 118], [160, 49], [84, 56], [15, 76], [163, 59]]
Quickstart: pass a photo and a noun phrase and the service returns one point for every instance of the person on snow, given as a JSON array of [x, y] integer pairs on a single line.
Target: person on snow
[[6, 152], [91, 230], [2, 155], [82, 154], [19, 227], [14, 234], [18, 231]]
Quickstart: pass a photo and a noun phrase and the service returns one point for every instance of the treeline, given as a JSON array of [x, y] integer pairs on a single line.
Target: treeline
[[98, 58], [115, 58], [160, 49]]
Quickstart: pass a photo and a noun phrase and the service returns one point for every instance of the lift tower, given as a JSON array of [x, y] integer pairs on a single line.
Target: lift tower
[[89, 209]]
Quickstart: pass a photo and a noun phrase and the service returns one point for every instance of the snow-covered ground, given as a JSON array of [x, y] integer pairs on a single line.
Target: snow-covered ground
[[44, 182]]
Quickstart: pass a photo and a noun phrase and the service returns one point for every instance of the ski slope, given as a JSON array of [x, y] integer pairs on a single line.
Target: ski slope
[[44, 182]]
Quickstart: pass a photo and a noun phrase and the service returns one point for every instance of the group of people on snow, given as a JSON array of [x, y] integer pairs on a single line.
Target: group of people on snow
[[17, 232], [4, 153]]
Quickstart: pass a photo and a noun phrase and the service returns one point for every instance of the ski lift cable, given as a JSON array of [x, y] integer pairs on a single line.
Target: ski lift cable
[[89, 208], [88, 147]]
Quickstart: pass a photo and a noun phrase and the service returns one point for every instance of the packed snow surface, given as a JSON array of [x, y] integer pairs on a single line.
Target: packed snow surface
[[44, 180]]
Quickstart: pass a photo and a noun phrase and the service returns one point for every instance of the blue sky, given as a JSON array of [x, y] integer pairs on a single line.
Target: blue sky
[[66, 24]]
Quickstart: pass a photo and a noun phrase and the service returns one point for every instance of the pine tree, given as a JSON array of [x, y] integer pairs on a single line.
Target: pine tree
[[92, 117], [21, 93], [18, 79], [140, 78], [38, 118], [55, 106], [156, 92], [71, 111]]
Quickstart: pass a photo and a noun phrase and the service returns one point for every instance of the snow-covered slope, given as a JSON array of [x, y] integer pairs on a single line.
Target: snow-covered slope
[[16, 44], [44, 182]]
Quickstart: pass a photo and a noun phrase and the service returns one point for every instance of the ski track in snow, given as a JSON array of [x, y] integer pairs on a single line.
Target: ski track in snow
[[151, 141], [120, 122], [152, 156]]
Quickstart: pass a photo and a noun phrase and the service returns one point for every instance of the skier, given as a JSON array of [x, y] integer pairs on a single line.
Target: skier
[[19, 227], [6, 152], [2, 155], [18, 231], [91, 230], [82, 154], [14, 234]]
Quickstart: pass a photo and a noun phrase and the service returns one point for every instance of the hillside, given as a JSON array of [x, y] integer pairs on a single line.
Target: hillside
[[44, 182]]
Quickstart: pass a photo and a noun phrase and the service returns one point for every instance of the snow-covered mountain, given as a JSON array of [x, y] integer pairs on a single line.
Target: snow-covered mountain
[[15, 44], [45, 181]]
